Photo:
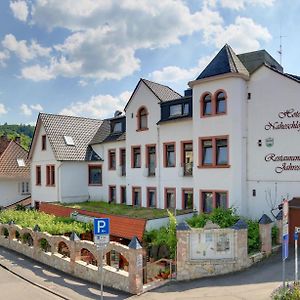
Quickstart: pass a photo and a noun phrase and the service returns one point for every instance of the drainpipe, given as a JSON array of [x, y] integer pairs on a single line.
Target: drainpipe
[[158, 165]]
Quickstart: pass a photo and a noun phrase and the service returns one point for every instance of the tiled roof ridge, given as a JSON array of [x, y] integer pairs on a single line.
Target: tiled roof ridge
[[228, 49], [4, 152], [163, 85], [69, 116]]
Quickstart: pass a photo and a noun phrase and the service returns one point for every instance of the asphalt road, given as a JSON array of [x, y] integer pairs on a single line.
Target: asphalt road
[[14, 288]]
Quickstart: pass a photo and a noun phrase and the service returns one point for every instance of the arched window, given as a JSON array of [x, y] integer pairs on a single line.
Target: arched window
[[220, 103], [206, 105], [142, 118]]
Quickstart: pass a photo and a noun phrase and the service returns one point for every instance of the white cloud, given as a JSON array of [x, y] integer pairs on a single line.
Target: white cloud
[[105, 35], [3, 109], [19, 9], [82, 83], [27, 109], [234, 35], [36, 73], [100, 106], [174, 74], [22, 50], [4, 55], [239, 4]]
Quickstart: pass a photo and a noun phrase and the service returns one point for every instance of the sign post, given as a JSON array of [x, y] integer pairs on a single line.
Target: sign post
[[297, 230], [101, 239], [285, 237]]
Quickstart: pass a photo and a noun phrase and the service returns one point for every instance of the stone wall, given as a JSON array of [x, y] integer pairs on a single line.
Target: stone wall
[[210, 251], [12, 237]]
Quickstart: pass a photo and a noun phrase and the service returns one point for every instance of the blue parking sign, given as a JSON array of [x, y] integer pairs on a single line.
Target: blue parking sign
[[101, 226]]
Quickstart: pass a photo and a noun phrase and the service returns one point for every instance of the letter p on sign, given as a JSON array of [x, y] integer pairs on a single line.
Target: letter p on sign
[[101, 226]]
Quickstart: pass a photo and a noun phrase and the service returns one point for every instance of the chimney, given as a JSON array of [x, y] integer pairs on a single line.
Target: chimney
[[18, 139], [4, 137]]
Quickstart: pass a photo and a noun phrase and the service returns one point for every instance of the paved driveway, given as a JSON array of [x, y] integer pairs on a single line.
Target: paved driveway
[[255, 283]]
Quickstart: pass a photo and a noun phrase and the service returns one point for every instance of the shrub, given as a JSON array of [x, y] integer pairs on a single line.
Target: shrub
[[253, 236], [290, 292], [48, 223], [223, 217], [275, 232], [163, 237]]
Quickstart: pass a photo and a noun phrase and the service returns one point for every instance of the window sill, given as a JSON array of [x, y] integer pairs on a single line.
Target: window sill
[[38, 184], [214, 167], [111, 169], [135, 167], [50, 185], [95, 184], [212, 115], [170, 166], [142, 129]]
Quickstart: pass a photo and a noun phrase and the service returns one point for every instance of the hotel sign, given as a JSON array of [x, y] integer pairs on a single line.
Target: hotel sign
[[287, 121]]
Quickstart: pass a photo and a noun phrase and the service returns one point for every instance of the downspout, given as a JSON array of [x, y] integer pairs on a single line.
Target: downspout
[[158, 162]]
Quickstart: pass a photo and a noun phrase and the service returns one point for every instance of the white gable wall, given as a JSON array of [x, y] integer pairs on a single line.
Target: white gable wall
[[272, 94], [43, 158]]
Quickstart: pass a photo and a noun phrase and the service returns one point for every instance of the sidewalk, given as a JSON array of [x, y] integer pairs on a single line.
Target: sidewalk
[[56, 282]]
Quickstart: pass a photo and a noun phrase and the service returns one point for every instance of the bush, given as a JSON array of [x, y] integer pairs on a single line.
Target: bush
[[48, 223], [223, 217], [163, 237], [253, 236], [290, 292], [275, 232]]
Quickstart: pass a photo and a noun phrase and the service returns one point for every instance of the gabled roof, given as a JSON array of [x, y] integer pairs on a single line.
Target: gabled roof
[[162, 92], [9, 167], [226, 61], [82, 131]]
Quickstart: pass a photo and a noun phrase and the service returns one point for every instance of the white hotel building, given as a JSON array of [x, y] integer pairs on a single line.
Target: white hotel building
[[231, 140]]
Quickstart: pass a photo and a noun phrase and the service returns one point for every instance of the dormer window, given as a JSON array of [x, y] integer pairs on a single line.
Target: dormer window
[[117, 127], [181, 109], [142, 119]]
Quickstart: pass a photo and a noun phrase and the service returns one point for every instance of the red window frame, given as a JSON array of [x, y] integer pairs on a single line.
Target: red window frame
[[133, 158], [214, 99], [149, 189], [50, 175], [165, 147], [122, 200], [183, 190], [132, 194], [110, 188], [94, 167], [38, 175], [214, 140], [165, 196], [112, 153], [214, 192]]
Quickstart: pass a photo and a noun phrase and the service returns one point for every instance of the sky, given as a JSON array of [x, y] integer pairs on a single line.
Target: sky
[[85, 57]]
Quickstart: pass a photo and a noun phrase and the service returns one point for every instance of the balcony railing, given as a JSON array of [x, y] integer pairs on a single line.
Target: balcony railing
[[123, 170], [151, 170], [188, 169]]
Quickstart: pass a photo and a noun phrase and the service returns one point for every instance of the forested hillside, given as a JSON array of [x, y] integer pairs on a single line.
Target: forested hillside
[[23, 131]]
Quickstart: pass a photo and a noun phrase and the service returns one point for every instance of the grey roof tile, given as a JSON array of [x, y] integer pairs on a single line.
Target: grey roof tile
[[162, 92], [226, 61], [82, 130]]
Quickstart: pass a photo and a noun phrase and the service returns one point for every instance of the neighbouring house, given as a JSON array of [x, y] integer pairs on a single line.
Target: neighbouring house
[[230, 140], [14, 172]]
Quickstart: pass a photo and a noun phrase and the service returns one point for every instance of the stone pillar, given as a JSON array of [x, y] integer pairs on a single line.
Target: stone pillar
[[182, 255], [74, 251], [241, 241], [135, 269], [265, 234]]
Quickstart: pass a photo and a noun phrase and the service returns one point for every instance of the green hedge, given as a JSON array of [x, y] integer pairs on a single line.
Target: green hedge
[[48, 223]]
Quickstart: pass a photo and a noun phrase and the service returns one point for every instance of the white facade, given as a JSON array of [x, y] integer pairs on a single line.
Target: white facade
[[255, 178]]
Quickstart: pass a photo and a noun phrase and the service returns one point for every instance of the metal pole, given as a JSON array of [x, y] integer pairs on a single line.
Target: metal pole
[[101, 271], [296, 258], [283, 272]]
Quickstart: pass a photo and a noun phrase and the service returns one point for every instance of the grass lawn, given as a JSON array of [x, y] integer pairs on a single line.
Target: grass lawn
[[124, 210]]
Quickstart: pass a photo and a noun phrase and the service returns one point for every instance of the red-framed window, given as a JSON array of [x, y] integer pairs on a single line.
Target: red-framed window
[[187, 157], [38, 175], [111, 159], [95, 175], [169, 154], [187, 198], [112, 194], [122, 156], [123, 194], [213, 105], [151, 159], [142, 119], [210, 199], [136, 196], [151, 197], [44, 142], [50, 175], [214, 152], [170, 197], [136, 156]]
